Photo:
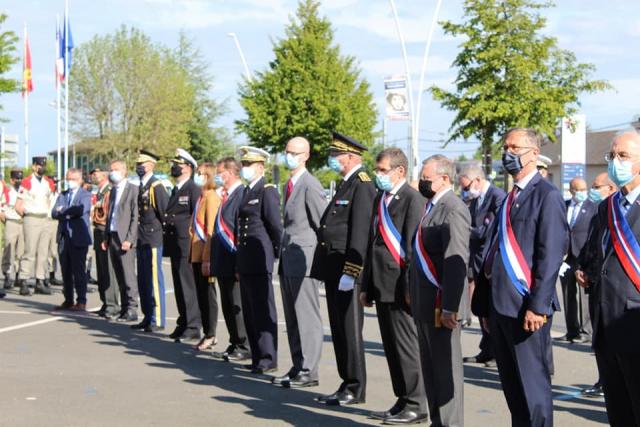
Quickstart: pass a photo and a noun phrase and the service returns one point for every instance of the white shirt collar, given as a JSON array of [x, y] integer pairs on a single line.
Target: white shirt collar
[[146, 178], [179, 184], [485, 188], [255, 181], [397, 187], [295, 177], [122, 183], [351, 172], [438, 196], [237, 184], [522, 183], [633, 195]]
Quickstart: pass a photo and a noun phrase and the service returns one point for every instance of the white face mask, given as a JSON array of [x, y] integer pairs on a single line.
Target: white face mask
[[248, 173], [72, 185], [473, 193]]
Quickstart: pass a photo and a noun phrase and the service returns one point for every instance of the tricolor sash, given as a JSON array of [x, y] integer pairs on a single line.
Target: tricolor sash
[[623, 240], [512, 258], [425, 264], [390, 234], [225, 234], [198, 226]]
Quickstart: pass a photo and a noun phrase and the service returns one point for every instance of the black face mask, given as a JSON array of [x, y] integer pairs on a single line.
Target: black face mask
[[17, 184], [140, 171], [424, 186], [176, 171], [39, 171]]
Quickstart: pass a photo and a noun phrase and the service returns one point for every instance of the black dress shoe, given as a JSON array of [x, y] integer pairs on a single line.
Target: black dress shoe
[[406, 416], [595, 391], [324, 398], [140, 326], [381, 415], [110, 315], [189, 336], [491, 363], [259, 370], [301, 380], [283, 378], [580, 339], [177, 333], [233, 353], [153, 328], [129, 316], [479, 358], [344, 398], [564, 338], [2, 293]]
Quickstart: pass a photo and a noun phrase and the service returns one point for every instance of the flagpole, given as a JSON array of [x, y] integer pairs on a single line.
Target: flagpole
[[58, 84], [66, 86], [25, 90]]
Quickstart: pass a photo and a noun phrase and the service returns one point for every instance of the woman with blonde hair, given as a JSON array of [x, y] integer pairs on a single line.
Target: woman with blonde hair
[[202, 224]]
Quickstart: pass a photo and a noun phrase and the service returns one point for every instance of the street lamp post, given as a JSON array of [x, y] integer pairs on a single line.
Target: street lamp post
[[242, 58]]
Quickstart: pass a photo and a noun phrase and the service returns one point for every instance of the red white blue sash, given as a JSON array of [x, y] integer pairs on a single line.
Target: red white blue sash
[[425, 264], [390, 234], [224, 233], [624, 241], [198, 226], [512, 258]]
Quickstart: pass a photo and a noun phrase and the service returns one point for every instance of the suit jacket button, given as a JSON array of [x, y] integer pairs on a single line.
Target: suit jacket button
[[333, 212], [324, 226], [245, 234], [321, 243], [604, 272]]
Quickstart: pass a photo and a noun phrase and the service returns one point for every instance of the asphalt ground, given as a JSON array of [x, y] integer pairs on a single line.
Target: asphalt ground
[[81, 370]]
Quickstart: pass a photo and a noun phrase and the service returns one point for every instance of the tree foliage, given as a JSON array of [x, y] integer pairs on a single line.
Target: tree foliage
[[8, 40], [309, 89], [510, 73], [129, 93]]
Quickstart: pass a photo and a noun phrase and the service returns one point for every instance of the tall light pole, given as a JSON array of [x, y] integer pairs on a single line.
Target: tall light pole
[[415, 110], [434, 22], [244, 61]]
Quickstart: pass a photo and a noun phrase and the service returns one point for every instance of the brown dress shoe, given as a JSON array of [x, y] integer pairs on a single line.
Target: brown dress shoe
[[64, 306], [79, 307]]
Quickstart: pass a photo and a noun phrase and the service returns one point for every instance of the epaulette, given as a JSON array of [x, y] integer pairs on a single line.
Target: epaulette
[[364, 177], [269, 186], [352, 269], [26, 184]]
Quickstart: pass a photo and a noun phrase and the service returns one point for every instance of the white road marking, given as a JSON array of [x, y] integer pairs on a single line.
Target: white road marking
[[14, 312], [42, 321]]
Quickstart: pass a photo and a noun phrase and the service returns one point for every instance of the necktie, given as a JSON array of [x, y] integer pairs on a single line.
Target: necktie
[[624, 205], [289, 189], [225, 196], [574, 215], [388, 198]]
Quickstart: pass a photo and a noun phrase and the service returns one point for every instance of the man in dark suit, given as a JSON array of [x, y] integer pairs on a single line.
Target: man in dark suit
[[177, 244], [223, 258], [152, 203], [258, 236], [304, 203], [612, 272], [601, 188], [122, 232], [486, 200], [338, 261], [72, 212], [517, 291], [438, 278], [385, 281], [580, 211]]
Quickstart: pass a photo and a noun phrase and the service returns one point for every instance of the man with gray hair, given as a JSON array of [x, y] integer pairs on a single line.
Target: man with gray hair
[[486, 200], [438, 278]]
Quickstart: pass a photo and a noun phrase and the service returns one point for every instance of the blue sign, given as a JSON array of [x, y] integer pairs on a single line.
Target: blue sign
[[572, 170]]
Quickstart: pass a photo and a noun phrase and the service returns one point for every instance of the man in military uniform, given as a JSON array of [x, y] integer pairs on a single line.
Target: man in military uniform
[[107, 284], [177, 243], [13, 233], [152, 203], [342, 245], [258, 235], [34, 204]]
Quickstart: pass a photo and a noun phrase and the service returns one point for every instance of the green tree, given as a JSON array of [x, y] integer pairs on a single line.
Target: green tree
[[511, 74], [128, 93], [208, 142], [309, 89], [8, 40]]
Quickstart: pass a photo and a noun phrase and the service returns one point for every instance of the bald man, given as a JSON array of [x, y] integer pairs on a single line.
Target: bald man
[[580, 211], [304, 203]]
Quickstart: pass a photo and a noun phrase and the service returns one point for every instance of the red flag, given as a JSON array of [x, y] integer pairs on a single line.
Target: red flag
[[27, 82]]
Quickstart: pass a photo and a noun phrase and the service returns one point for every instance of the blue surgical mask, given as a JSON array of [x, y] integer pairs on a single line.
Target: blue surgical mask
[[464, 194], [620, 172], [511, 163], [334, 164], [248, 173], [291, 161], [580, 196], [595, 195], [384, 182], [200, 180], [218, 180]]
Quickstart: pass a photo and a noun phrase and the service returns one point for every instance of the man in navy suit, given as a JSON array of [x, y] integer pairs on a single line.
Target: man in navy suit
[[580, 211], [72, 212], [615, 281], [486, 200], [223, 258], [518, 288]]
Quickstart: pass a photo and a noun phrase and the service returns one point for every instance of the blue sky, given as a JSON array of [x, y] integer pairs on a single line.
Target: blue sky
[[606, 34]]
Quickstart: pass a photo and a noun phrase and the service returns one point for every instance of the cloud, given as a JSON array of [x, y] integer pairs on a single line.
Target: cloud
[[393, 66]]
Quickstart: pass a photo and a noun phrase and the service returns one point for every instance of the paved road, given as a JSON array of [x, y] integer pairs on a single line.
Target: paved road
[[64, 370]]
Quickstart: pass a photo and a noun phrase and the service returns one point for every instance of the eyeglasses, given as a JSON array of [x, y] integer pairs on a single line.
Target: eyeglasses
[[292, 153], [385, 171], [516, 148], [622, 156]]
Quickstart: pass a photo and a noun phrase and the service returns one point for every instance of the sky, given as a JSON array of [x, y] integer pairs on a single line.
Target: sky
[[606, 34]]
